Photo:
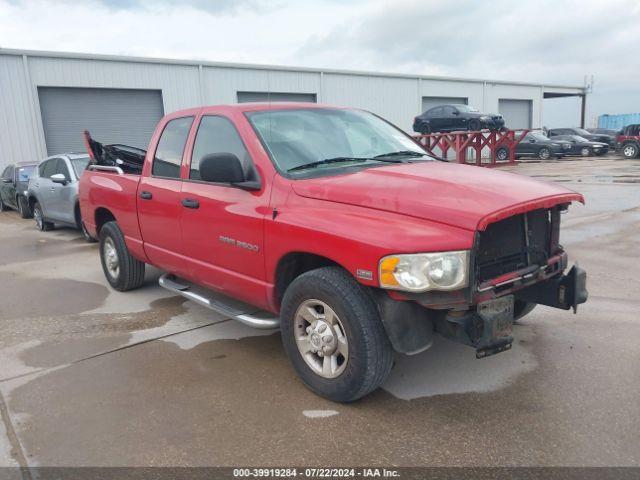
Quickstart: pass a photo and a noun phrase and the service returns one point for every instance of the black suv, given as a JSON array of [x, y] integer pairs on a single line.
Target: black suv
[[581, 132], [13, 187], [456, 117]]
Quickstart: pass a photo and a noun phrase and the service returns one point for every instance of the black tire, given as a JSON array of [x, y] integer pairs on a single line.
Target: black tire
[[521, 309], [23, 207], [502, 154], [130, 274], [41, 223], [544, 153], [80, 224], [425, 129], [630, 150], [473, 125], [3, 207], [370, 352], [85, 234]]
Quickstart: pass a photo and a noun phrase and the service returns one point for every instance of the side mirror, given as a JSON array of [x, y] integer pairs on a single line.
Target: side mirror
[[532, 140], [225, 168], [455, 112], [59, 178]]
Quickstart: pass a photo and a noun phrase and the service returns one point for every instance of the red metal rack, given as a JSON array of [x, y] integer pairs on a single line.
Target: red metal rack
[[463, 143]]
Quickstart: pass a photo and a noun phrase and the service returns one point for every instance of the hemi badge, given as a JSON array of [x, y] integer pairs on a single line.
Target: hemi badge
[[364, 274]]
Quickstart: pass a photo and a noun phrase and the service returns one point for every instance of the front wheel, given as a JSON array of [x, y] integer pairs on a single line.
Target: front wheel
[[123, 271], [544, 154], [630, 150], [3, 207], [585, 152], [473, 125], [333, 335], [38, 216]]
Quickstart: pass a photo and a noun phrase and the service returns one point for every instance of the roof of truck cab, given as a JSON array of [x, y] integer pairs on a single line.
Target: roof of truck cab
[[249, 107]]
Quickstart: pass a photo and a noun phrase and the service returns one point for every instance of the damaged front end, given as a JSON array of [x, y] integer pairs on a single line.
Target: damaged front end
[[516, 263]]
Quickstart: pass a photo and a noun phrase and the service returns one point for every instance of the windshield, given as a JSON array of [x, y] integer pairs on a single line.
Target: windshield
[[25, 172], [297, 137], [465, 108], [79, 165], [537, 136]]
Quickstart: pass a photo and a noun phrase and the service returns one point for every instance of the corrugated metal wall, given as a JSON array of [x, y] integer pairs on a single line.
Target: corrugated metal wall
[[398, 99], [617, 122]]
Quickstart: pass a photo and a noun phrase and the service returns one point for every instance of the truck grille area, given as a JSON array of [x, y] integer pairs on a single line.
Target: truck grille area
[[512, 244]]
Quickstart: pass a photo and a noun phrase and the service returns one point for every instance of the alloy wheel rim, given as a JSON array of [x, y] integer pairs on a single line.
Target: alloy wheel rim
[[321, 338], [111, 260], [629, 151], [502, 155], [544, 154], [585, 152]]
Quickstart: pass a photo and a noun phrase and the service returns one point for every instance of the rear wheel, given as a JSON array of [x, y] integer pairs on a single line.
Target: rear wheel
[[23, 207], [544, 153], [425, 129], [333, 335], [502, 154], [630, 150], [41, 223], [123, 271]]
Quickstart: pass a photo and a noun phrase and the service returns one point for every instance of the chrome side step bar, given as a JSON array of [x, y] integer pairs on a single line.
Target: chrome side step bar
[[240, 311]]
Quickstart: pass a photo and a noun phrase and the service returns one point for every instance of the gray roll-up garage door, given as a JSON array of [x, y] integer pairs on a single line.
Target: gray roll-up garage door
[[429, 102], [516, 113], [111, 115], [246, 97]]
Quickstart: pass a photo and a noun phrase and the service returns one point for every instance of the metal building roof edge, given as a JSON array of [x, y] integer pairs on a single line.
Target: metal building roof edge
[[209, 63]]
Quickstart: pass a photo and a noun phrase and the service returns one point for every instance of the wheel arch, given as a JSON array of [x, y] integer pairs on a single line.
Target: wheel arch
[[292, 265], [101, 216]]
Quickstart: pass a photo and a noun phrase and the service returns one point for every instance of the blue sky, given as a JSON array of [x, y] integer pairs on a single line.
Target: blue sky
[[555, 42]]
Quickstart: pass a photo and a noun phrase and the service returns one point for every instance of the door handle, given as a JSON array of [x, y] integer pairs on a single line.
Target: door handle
[[190, 203], [146, 195]]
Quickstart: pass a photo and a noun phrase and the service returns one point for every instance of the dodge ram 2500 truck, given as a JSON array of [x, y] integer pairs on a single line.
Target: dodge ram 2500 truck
[[334, 226]]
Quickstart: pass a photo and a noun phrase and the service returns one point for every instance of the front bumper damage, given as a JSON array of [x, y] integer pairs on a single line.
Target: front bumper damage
[[487, 327]]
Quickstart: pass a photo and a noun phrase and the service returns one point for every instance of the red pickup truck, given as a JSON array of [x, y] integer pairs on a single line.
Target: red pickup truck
[[334, 226]]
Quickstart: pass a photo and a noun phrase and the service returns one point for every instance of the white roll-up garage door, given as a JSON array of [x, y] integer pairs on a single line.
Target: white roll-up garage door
[[246, 97], [429, 102], [516, 113], [111, 115]]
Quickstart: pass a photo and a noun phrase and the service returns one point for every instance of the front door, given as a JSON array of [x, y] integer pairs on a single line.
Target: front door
[[159, 207], [60, 204], [222, 225]]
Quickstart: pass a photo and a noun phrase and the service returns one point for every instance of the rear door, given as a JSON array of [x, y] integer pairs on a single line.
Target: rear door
[[43, 186], [224, 234], [437, 121], [159, 208]]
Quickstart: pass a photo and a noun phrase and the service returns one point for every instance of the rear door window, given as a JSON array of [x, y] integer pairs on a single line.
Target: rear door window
[[168, 157]]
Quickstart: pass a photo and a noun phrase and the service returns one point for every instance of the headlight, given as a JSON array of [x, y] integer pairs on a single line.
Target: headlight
[[420, 272]]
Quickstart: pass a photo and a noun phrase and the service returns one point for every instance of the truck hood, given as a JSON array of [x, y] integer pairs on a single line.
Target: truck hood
[[462, 196]]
